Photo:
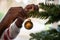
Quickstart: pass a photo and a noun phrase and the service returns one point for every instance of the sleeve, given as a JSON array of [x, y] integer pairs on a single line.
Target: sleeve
[[14, 30], [11, 32]]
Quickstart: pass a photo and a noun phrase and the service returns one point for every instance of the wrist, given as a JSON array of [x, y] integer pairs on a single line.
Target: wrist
[[19, 23]]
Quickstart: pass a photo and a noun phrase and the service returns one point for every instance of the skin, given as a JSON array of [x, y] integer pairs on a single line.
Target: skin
[[16, 13]]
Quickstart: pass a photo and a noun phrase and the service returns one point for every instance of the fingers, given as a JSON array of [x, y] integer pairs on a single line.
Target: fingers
[[22, 14], [31, 7]]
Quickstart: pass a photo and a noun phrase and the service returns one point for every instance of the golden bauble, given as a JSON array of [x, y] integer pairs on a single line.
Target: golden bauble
[[28, 25]]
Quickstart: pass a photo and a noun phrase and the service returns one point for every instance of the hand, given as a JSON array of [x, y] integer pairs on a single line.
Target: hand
[[21, 17]]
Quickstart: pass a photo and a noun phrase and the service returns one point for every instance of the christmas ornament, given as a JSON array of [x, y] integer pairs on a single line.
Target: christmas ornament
[[28, 24]]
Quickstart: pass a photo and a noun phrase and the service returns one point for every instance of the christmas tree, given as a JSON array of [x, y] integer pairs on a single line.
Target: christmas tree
[[46, 35], [52, 12]]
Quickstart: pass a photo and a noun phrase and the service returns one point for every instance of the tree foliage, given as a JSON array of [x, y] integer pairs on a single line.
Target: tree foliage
[[46, 35], [51, 11]]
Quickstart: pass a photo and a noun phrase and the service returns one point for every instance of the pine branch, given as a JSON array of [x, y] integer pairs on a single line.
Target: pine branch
[[51, 11]]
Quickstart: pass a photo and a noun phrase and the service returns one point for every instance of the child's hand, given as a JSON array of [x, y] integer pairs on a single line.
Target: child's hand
[[21, 17], [23, 14]]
